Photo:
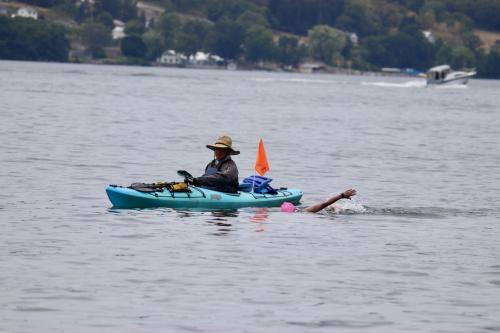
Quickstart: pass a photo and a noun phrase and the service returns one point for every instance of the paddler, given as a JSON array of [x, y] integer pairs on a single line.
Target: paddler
[[221, 174]]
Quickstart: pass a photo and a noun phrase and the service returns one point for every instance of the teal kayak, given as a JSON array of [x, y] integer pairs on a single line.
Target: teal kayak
[[196, 197]]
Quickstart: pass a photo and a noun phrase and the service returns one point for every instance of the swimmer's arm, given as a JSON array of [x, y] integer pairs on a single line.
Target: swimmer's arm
[[316, 208]]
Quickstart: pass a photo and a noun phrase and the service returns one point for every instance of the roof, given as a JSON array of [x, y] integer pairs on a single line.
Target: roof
[[440, 68]]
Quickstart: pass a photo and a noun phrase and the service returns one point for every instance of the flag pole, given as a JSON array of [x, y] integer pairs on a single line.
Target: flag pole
[[253, 182]]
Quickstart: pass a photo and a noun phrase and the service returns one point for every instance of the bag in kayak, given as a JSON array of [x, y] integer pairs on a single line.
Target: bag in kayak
[[259, 184], [160, 186]]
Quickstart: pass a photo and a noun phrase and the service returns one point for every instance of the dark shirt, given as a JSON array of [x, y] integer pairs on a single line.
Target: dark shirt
[[219, 176]]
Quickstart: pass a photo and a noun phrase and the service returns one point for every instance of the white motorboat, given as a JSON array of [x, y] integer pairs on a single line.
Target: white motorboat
[[444, 74]]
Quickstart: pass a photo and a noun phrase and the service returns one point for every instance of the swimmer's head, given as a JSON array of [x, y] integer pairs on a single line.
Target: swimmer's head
[[287, 207]]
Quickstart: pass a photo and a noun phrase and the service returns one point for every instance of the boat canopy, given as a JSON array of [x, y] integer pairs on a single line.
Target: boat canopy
[[442, 68], [438, 73]]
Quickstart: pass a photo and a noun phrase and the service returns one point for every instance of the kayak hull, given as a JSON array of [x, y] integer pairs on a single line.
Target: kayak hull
[[124, 197]]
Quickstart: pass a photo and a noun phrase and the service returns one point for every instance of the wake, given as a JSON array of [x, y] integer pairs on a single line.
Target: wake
[[408, 84], [414, 84]]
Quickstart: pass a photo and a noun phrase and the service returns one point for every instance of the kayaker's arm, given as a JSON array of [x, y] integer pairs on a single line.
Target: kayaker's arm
[[347, 194]]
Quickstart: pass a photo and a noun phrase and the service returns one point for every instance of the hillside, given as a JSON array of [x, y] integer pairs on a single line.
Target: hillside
[[335, 34], [488, 38]]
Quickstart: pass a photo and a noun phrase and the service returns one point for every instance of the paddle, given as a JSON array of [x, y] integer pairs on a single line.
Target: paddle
[[188, 178]]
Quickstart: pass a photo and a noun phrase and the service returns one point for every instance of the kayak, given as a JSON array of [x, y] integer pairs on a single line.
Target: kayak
[[197, 197]]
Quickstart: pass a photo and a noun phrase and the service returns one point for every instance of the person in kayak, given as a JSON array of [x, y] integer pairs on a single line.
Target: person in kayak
[[221, 174], [288, 207]]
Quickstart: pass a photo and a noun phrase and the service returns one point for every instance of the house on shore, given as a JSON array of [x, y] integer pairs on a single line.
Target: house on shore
[[26, 12], [201, 59], [149, 11], [312, 67], [118, 31], [172, 58]]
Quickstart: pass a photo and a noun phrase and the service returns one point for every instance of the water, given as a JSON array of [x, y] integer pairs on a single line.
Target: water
[[416, 250]]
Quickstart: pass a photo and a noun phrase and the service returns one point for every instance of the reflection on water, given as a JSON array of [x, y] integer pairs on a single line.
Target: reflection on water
[[260, 217], [220, 220]]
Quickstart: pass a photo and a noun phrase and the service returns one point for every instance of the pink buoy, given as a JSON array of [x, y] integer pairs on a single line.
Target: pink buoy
[[287, 207]]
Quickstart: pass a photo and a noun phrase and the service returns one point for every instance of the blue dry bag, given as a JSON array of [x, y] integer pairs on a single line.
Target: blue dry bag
[[260, 184]]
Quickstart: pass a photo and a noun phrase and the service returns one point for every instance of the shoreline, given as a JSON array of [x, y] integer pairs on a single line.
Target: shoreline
[[326, 71]]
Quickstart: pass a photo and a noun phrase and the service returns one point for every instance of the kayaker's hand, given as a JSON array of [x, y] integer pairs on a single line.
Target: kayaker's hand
[[347, 194], [190, 180]]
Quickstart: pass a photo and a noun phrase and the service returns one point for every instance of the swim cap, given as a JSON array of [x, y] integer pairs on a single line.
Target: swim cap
[[287, 207]]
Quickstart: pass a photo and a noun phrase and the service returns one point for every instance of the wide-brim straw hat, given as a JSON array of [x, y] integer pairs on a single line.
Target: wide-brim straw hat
[[224, 142]]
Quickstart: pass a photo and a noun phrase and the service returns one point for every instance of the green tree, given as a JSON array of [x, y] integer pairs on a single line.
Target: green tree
[[95, 36], [124, 10], [250, 18], [426, 19], [326, 42], [230, 9], [133, 46], [390, 15], [188, 5], [225, 39], [452, 18], [134, 27], [360, 19], [376, 51], [109, 6], [258, 44], [406, 48], [489, 65], [289, 51], [28, 39], [486, 14], [83, 10], [457, 56], [105, 19], [167, 26], [128, 10], [191, 37], [68, 8], [436, 8], [44, 3], [299, 16], [154, 44], [413, 5]]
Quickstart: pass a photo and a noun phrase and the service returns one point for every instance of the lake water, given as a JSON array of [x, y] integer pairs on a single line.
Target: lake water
[[418, 249]]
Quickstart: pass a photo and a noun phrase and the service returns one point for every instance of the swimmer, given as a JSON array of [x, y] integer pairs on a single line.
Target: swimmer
[[347, 194]]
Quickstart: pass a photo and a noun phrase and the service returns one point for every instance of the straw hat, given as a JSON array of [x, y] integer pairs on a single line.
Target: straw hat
[[224, 142]]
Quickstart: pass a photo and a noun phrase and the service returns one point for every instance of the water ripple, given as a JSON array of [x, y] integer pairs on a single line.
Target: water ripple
[[340, 324]]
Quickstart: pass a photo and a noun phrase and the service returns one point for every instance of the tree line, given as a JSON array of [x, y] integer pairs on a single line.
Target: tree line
[[358, 34], [27, 39]]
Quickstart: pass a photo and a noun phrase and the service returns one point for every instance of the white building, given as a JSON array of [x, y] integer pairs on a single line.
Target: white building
[[118, 33], [150, 12], [205, 59], [27, 12], [429, 36], [353, 37], [311, 66], [170, 57]]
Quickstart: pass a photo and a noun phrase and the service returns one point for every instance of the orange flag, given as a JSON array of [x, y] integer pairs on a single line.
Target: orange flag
[[261, 164]]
